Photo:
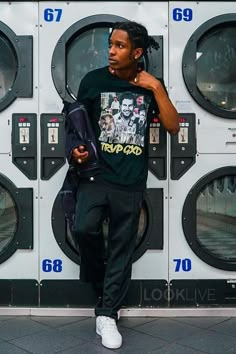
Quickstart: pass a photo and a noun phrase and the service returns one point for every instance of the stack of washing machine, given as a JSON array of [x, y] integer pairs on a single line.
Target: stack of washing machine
[[202, 214], [185, 253], [46, 49], [18, 154], [73, 39]]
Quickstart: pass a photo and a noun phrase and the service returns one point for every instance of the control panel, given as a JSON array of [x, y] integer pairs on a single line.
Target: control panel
[[52, 144], [24, 143], [157, 149], [183, 146]]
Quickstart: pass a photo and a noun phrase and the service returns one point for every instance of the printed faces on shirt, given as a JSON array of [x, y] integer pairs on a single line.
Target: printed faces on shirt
[[123, 118]]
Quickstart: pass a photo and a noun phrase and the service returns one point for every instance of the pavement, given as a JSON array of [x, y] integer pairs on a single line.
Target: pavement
[[23, 334]]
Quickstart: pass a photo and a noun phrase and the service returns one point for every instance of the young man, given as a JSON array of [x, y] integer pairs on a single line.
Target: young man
[[117, 191]]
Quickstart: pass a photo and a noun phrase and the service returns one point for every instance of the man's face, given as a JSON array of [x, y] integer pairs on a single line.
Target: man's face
[[136, 112], [132, 120], [127, 107], [142, 116], [140, 100], [107, 119], [121, 54]]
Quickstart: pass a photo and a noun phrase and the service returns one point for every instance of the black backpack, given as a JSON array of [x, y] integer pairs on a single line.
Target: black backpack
[[78, 131]]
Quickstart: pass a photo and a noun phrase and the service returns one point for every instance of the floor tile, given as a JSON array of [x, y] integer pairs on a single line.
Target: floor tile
[[202, 322], [81, 329], [6, 318], [136, 342], [56, 321], [226, 327], [176, 349], [8, 348], [19, 327], [168, 329], [150, 335], [88, 348], [47, 342], [211, 342], [132, 322]]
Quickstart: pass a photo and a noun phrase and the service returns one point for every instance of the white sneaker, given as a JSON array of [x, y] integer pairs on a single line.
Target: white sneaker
[[107, 329]]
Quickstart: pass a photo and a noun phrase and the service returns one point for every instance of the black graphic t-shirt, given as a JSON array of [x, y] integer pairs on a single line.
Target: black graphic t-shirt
[[120, 113]]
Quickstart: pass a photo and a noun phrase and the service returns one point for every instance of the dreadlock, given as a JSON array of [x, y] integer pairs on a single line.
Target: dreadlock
[[138, 35]]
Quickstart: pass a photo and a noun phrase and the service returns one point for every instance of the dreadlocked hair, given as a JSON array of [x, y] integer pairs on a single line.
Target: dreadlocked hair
[[138, 35]]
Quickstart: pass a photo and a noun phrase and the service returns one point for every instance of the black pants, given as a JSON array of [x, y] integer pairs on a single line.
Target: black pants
[[94, 203]]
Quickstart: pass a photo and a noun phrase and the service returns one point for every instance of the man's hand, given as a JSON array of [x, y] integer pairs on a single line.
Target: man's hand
[[168, 114], [145, 80], [80, 154]]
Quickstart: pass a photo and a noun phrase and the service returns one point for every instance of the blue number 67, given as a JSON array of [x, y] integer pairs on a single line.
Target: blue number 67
[[51, 15]]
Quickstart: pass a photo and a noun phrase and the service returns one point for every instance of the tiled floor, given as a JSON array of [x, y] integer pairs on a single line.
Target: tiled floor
[[141, 335]]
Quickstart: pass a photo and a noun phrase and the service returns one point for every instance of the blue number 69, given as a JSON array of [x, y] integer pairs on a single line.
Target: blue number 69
[[182, 14]]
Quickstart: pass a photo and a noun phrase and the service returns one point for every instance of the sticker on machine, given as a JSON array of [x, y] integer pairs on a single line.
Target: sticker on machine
[[183, 106]]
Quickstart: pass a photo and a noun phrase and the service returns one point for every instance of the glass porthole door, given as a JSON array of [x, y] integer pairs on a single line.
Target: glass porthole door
[[84, 47], [16, 218], [209, 218], [8, 218], [209, 66], [16, 66]]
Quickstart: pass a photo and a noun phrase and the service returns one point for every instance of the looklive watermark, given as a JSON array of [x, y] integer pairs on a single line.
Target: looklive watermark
[[195, 295]]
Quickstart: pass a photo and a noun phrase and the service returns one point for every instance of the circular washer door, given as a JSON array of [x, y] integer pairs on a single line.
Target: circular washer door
[[16, 218], [209, 218], [8, 67], [150, 231], [67, 242], [209, 66], [8, 219], [84, 47], [15, 66]]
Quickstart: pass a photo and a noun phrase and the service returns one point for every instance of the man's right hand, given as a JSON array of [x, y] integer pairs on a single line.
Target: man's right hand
[[80, 154]]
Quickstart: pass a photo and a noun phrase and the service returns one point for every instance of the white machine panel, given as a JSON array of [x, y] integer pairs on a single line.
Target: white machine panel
[[213, 132], [18, 154], [55, 19], [215, 150]]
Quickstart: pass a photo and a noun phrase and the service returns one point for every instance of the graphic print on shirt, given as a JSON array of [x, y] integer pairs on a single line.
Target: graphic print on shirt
[[123, 119]]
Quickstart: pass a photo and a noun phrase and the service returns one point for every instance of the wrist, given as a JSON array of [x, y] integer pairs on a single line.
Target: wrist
[[157, 86]]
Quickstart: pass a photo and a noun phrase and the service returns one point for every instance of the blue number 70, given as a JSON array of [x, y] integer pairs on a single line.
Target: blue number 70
[[183, 264]]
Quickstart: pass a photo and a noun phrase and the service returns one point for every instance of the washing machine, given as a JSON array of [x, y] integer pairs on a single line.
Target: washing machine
[[73, 39], [18, 154], [202, 214]]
